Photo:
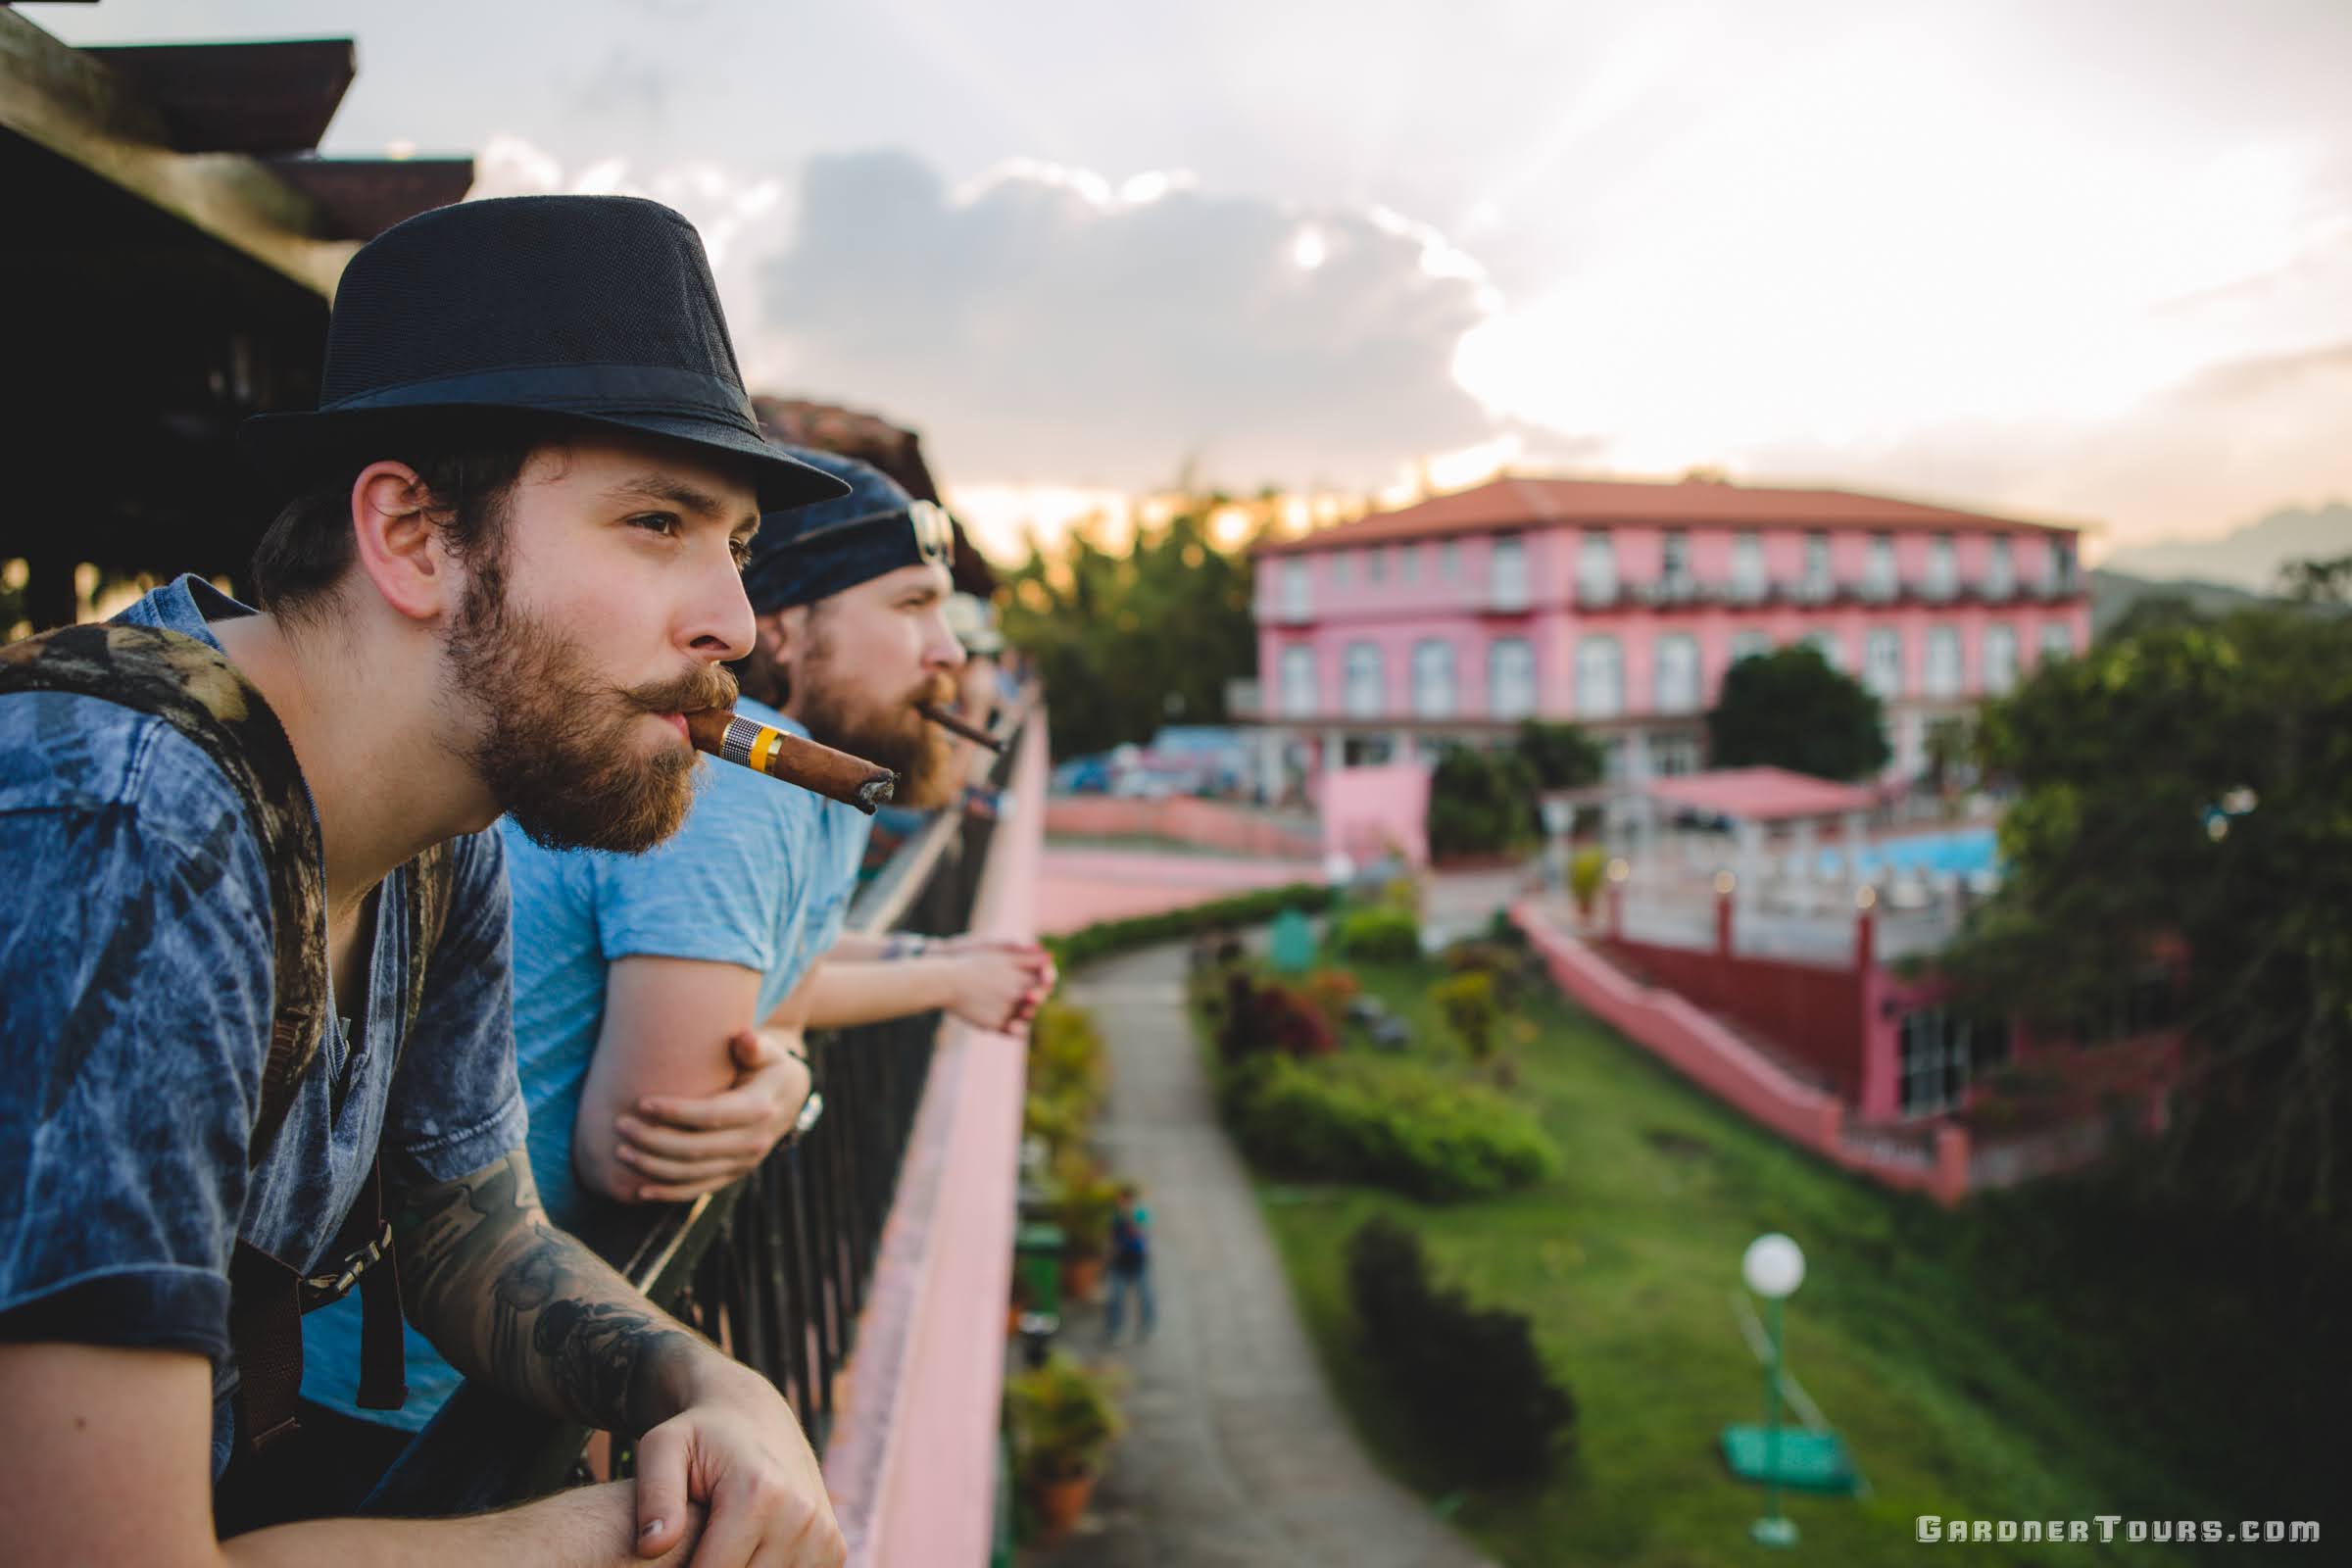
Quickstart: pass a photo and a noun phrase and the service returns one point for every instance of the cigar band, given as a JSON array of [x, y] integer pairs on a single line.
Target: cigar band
[[747, 742]]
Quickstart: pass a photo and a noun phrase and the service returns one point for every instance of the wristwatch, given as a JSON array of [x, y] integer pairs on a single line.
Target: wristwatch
[[906, 945]]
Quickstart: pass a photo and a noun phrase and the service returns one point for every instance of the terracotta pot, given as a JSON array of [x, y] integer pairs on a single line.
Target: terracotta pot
[[1059, 1503], [1081, 1278]]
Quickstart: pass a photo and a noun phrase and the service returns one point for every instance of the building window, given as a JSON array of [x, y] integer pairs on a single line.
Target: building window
[[1940, 1055], [1506, 573], [1365, 695], [1375, 565], [1748, 566], [2058, 569], [1944, 661], [2000, 578], [1944, 571], [2000, 658], [1298, 680], [1339, 568], [1597, 567], [1408, 563], [1750, 644], [2057, 639], [1295, 600], [1877, 568], [1816, 585], [1433, 678], [1883, 662], [1675, 569], [1510, 678], [1677, 658], [1449, 560], [1600, 678], [1826, 644], [1670, 754]]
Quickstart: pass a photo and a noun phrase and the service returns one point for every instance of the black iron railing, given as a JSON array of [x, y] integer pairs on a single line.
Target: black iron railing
[[774, 1269]]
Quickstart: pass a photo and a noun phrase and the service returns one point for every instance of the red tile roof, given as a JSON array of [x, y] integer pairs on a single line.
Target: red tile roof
[[1760, 793], [1513, 501]]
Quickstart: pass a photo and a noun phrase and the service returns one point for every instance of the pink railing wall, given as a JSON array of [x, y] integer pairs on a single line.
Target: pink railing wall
[[1806, 1011], [1711, 1057], [912, 1463]]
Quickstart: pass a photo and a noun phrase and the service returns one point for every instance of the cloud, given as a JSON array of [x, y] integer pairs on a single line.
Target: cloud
[[1046, 323]]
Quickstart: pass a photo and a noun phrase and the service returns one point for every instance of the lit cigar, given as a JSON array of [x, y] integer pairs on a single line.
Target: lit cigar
[[956, 726], [850, 780]]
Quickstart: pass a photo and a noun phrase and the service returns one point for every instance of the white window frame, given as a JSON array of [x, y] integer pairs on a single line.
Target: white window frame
[[1833, 652], [2000, 576], [1596, 567], [1878, 578], [1295, 593], [1747, 565], [1883, 662], [1520, 685], [2057, 639], [1815, 584], [1593, 701], [2000, 669], [1363, 682], [1450, 558], [1433, 658], [1943, 568], [1506, 571], [1297, 676], [1749, 644], [1940, 676], [1675, 682]]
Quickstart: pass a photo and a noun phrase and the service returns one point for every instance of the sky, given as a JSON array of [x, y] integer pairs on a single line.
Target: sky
[[2084, 260]]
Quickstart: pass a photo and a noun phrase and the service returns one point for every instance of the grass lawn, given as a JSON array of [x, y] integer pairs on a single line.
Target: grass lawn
[[1952, 1403]]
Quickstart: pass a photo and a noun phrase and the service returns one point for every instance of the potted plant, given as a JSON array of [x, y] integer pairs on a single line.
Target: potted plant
[[1085, 1201], [1063, 1425]]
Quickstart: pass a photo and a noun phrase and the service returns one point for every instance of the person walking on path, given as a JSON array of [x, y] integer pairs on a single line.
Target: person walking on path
[[1129, 1267]]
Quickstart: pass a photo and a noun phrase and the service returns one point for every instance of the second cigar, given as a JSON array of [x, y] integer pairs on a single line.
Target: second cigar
[[794, 758], [956, 726]]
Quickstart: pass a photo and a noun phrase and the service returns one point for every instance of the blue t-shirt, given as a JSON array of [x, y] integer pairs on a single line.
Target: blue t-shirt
[[760, 877], [135, 992]]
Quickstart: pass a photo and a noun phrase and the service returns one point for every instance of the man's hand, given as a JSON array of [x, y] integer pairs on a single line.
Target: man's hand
[[1000, 987], [685, 1147], [737, 1451]]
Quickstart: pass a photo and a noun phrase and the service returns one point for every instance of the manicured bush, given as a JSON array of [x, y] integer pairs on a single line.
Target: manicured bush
[[1332, 990], [1261, 1016], [1587, 868], [1481, 804], [1107, 937], [1470, 1375], [1509, 965], [1381, 934], [1067, 1060], [1385, 1123], [1466, 1001], [1084, 1198]]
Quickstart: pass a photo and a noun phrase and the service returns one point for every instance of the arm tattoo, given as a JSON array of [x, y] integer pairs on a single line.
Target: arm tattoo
[[509, 1298]]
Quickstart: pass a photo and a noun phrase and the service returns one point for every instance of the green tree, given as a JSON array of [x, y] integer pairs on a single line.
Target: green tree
[[2182, 801], [1481, 803], [1128, 642], [1788, 708], [1561, 757]]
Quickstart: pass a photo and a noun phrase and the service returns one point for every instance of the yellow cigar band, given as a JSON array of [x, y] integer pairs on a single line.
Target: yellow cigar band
[[763, 749]]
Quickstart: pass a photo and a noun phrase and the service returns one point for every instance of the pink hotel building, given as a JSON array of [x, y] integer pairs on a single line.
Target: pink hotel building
[[1619, 604]]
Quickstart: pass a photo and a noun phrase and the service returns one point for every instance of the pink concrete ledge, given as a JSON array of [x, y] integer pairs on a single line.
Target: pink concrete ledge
[[911, 1464]]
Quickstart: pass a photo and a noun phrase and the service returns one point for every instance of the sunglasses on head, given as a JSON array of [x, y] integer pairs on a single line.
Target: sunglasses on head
[[933, 532]]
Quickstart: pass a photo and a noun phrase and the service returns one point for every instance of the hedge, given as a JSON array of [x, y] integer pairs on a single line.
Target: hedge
[[1107, 937]]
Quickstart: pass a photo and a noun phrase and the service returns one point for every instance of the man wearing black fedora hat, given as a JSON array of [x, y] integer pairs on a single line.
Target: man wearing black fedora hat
[[255, 951]]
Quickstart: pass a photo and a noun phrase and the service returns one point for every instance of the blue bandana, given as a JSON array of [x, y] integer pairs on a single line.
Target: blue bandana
[[803, 554]]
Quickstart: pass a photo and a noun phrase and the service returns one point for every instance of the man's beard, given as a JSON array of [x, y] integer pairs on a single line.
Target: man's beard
[[558, 746], [919, 751]]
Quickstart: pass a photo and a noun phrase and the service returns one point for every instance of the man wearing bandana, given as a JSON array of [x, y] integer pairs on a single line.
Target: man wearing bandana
[[658, 997]]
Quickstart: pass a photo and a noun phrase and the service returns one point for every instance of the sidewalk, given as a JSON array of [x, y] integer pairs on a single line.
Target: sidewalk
[[1235, 1455]]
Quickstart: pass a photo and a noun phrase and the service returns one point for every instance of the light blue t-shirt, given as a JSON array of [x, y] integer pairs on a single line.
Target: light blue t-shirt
[[761, 876]]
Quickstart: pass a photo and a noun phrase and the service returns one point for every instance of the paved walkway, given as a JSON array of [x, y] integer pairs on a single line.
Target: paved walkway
[[1235, 1456]]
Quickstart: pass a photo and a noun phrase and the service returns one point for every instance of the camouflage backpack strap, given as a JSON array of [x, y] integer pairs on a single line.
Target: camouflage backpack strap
[[191, 685]]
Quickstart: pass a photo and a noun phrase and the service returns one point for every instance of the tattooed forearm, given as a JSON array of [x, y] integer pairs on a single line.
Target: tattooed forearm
[[509, 1298]]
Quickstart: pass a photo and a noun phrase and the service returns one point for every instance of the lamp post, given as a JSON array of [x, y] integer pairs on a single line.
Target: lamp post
[[1774, 1268]]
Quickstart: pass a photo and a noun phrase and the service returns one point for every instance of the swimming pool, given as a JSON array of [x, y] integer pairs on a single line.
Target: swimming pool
[[1962, 851]]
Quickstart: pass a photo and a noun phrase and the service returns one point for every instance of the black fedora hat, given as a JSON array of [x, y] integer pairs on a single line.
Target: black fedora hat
[[597, 309]]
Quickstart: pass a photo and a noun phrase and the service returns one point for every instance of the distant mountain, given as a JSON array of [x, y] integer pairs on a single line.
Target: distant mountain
[[2250, 556]]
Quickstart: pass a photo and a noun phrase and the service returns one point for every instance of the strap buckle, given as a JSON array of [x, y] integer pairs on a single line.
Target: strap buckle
[[320, 1289]]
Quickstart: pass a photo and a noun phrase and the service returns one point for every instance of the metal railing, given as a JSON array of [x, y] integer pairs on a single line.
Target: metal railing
[[775, 1269]]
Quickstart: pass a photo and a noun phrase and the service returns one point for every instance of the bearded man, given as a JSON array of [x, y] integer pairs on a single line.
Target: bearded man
[[660, 998], [255, 954]]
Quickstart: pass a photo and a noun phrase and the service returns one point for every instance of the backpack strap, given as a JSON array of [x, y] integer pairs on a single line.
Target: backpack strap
[[192, 686]]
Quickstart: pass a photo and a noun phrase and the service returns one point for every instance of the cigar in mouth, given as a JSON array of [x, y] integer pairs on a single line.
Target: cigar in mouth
[[764, 748], [956, 726]]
